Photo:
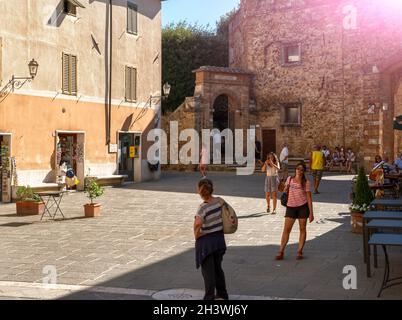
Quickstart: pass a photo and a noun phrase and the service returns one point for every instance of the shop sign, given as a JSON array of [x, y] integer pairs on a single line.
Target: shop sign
[[132, 151], [112, 148]]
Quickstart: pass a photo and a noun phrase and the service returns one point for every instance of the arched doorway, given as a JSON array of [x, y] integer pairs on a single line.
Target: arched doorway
[[221, 112]]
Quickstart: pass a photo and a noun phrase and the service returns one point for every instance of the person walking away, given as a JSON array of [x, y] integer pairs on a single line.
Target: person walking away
[[300, 207], [284, 161], [316, 166], [210, 245], [271, 167], [204, 160]]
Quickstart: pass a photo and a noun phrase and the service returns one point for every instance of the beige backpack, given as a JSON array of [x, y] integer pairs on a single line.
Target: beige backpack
[[229, 218]]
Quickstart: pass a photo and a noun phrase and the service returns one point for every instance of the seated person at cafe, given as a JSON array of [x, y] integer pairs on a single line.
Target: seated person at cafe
[[378, 162], [388, 168], [398, 163], [336, 158]]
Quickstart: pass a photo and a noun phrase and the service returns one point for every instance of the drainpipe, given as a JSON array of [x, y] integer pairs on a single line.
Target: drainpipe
[[109, 129]]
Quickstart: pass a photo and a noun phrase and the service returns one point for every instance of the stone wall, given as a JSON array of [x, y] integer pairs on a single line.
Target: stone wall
[[344, 47], [187, 116]]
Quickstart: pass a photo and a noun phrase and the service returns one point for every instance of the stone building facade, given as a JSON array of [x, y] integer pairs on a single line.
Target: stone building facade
[[96, 93], [325, 71], [310, 72]]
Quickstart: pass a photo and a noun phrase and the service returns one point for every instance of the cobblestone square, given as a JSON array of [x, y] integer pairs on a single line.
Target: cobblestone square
[[142, 246]]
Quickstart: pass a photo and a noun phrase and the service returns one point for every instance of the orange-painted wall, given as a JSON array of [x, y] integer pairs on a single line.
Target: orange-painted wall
[[33, 121]]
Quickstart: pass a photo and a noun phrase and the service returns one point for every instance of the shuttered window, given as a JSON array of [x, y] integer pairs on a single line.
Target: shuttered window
[[1, 60], [132, 15], [69, 77], [131, 84]]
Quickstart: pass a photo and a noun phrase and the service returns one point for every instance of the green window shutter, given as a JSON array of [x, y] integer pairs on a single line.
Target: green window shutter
[[73, 78], [132, 13], [65, 87], [134, 84], [134, 19], [127, 85]]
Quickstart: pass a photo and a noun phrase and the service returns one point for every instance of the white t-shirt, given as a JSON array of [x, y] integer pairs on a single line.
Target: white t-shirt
[[284, 154], [216, 138]]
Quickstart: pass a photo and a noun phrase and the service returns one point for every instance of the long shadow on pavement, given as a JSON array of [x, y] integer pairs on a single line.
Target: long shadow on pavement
[[252, 270]]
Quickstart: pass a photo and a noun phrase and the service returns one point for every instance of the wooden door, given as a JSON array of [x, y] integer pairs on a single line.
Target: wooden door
[[268, 142]]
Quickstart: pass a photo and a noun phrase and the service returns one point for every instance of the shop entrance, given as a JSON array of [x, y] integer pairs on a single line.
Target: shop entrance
[[5, 167], [70, 155], [268, 142], [127, 153]]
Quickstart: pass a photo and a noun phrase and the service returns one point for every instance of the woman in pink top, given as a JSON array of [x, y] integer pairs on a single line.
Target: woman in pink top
[[299, 206]]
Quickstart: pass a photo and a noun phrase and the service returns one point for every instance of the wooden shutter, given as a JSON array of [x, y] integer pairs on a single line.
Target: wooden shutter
[[73, 75], [1, 60], [65, 87], [127, 85], [69, 76], [132, 13], [133, 86]]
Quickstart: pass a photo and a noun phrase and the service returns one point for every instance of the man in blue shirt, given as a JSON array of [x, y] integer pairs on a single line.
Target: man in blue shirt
[[398, 162]]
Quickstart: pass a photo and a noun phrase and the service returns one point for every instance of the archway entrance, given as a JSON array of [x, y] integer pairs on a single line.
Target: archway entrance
[[221, 112]]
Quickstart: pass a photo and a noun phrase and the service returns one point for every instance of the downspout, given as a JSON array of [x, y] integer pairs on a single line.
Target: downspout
[[110, 71]]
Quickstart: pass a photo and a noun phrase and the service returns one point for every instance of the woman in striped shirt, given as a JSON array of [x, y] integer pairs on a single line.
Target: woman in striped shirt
[[210, 243], [299, 206]]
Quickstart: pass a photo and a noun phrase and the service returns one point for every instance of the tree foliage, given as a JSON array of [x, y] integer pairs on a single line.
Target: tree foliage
[[363, 194], [185, 48]]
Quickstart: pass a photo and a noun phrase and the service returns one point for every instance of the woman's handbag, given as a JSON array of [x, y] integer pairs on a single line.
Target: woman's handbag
[[284, 199]]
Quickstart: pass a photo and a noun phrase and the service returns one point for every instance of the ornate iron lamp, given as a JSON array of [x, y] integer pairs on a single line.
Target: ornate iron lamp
[[18, 82]]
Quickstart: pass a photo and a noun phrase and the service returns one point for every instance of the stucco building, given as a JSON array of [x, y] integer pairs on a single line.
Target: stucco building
[[96, 93], [309, 72]]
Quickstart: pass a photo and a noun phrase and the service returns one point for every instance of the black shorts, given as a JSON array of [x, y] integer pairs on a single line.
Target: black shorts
[[301, 212]]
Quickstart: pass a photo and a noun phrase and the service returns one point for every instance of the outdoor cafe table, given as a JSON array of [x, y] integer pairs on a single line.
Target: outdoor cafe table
[[387, 204], [53, 201], [385, 186]]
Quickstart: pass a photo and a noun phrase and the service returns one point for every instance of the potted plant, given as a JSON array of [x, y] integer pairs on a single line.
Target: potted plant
[[93, 190], [29, 203], [362, 198]]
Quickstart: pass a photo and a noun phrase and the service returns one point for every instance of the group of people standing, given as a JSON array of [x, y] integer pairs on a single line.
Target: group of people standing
[[210, 243]]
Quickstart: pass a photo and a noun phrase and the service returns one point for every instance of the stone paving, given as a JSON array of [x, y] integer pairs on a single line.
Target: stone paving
[[143, 245]]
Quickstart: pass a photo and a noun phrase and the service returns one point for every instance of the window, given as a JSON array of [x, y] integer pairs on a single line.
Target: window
[[291, 114], [291, 54], [131, 84], [132, 14], [70, 7], [69, 77], [1, 59]]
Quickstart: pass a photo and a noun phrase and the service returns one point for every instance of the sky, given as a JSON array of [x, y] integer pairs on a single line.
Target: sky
[[201, 11]]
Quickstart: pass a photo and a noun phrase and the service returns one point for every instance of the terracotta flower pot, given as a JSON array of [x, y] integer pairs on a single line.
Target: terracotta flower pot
[[92, 210], [356, 220], [25, 208]]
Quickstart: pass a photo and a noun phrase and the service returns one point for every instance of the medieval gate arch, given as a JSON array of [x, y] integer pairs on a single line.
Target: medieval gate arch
[[224, 97]]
